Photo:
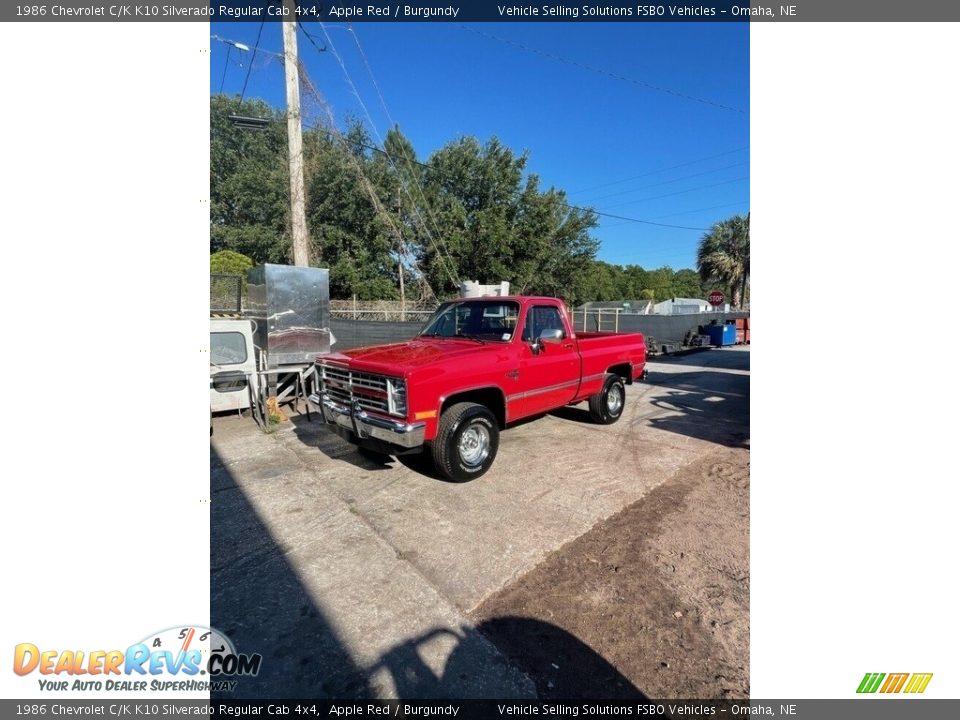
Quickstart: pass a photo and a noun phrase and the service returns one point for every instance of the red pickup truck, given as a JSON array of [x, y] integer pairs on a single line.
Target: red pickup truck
[[478, 365]]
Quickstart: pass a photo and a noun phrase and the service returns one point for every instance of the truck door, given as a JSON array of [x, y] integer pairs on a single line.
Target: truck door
[[548, 379]]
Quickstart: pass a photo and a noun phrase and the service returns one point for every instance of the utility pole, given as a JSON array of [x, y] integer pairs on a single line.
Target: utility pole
[[400, 248], [298, 218]]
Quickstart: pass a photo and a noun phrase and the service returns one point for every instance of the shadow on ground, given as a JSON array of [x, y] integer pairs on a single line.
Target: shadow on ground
[[258, 600], [314, 434], [711, 404], [561, 665]]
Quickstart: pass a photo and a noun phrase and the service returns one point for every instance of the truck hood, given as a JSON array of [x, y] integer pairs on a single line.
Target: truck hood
[[402, 358]]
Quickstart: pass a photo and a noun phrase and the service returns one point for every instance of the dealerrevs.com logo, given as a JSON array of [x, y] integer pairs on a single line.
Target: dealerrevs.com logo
[[180, 658], [910, 683]]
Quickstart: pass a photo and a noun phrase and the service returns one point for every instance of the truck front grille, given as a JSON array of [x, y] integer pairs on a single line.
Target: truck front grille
[[348, 386]]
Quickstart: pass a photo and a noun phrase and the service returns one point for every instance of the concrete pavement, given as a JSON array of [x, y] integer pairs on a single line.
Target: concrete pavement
[[353, 577]]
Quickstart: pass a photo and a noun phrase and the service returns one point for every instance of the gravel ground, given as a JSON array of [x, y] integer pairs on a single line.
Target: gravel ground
[[653, 601]]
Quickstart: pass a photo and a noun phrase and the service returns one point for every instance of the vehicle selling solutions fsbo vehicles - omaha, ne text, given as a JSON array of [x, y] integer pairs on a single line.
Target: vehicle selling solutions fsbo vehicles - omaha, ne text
[[479, 364]]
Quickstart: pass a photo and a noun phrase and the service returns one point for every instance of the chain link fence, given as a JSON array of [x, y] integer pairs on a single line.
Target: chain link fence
[[381, 310], [226, 294]]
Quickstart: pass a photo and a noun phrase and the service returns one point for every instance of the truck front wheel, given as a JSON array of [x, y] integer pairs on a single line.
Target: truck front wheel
[[466, 443], [606, 406]]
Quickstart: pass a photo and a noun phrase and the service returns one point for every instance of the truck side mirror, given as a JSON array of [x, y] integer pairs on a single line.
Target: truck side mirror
[[554, 335], [547, 335]]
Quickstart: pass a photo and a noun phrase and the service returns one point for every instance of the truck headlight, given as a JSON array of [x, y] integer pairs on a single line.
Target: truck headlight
[[397, 397]]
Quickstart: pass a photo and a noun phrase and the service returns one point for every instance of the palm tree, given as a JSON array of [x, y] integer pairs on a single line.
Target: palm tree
[[724, 256]]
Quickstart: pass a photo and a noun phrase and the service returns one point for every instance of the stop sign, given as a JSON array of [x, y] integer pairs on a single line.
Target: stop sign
[[715, 298]]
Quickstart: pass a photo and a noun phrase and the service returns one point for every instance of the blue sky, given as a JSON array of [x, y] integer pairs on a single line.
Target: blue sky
[[585, 131]]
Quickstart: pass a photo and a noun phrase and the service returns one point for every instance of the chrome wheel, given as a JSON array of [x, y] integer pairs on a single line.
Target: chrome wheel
[[474, 445], [614, 399]]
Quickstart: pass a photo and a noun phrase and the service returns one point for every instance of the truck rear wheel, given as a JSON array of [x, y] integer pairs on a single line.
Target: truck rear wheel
[[606, 406], [466, 443]]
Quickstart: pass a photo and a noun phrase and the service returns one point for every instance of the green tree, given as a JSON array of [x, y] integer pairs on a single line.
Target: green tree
[[249, 185], [599, 282], [635, 281], [228, 262], [348, 217], [604, 281], [487, 222], [471, 211], [686, 283], [724, 256]]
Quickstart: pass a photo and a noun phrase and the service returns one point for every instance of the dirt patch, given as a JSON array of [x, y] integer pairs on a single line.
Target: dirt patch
[[653, 601]]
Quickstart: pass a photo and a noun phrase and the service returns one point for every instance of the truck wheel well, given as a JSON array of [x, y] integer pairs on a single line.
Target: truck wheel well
[[623, 371], [491, 398]]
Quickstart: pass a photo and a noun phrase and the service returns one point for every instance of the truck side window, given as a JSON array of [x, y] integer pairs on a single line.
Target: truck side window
[[540, 318]]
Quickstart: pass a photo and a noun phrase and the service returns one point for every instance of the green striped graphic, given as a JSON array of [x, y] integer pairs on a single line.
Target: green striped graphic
[[870, 682]]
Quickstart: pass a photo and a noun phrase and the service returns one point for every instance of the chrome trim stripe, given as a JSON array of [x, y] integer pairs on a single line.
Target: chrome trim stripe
[[559, 386], [540, 391]]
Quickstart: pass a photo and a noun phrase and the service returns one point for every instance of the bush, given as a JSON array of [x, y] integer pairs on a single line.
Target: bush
[[228, 262]]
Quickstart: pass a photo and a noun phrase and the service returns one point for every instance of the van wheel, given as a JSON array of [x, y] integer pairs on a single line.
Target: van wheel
[[606, 406], [466, 443]]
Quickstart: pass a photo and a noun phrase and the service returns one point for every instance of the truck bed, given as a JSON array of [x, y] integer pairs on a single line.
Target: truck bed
[[594, 335], [599, 351]]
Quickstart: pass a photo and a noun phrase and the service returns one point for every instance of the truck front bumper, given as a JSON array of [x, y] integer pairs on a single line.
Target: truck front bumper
[[363, 426]]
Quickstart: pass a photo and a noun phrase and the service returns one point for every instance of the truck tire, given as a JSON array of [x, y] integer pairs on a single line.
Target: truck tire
[[466, 443], [606, 406]]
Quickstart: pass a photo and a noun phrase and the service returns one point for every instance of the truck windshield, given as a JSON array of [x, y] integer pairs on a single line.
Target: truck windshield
[[483, 320]]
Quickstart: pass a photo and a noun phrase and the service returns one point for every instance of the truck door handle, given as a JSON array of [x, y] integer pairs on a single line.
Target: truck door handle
[[567, 346]]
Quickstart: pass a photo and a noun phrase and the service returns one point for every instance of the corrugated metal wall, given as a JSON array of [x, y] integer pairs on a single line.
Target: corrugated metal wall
[[661, 329], [357, 333]]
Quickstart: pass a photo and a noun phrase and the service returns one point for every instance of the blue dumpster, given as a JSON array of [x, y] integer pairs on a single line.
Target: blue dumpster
[[722, 334]]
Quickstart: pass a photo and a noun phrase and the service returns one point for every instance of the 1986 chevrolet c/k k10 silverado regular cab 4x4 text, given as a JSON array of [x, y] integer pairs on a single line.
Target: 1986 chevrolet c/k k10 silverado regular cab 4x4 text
[[478, 365]]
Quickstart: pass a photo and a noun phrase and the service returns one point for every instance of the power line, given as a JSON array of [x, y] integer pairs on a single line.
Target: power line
[[679, 192], [373, 79], [237, 43], [637, 220], [685, 212], [450, 265], [599, 71], [568, 205], [667, 182], [571, 206], [226, 64], [361, 175], [657, 172], [256, 46], [311, 38], [364, 180], [712, 207], [403, 150]]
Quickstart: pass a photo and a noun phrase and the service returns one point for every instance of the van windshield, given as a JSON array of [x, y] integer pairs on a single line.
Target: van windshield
[[482, 320]]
